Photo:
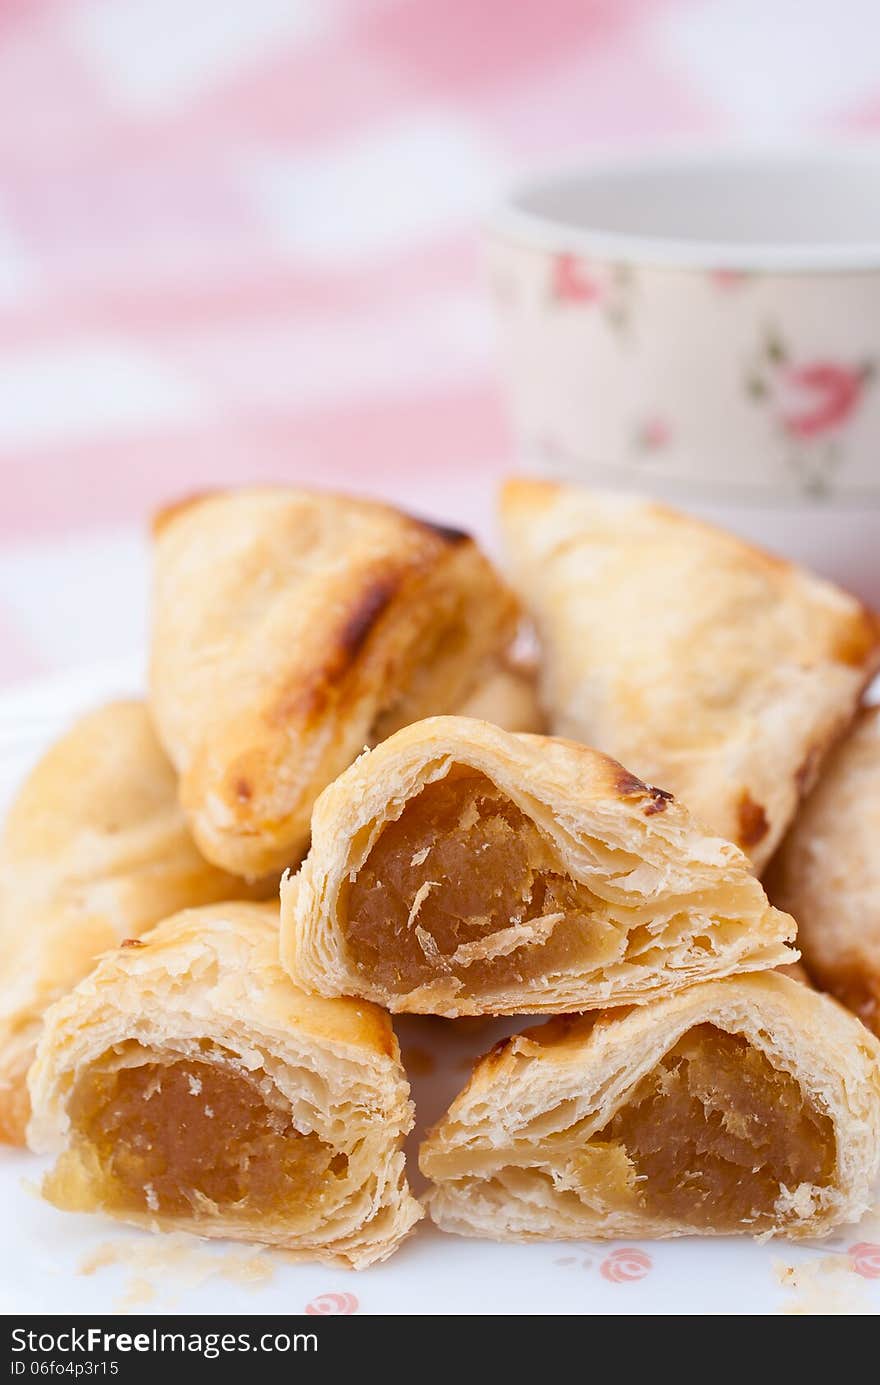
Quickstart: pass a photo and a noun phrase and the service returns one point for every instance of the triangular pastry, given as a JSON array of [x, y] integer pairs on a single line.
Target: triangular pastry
[[95, 849], [459, 869], [827, 872], [508, 697], [745, 1105], [187, 1084], [290, 629], [702, 663]]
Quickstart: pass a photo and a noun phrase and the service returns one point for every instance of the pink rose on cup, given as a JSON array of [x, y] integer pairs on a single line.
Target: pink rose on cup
[[326, 1304], [810, 402], [819, 397], [812, 398], [654, 434], [865, 1259], [604, 289], [625, 1265], [572, 282], [728, 278]]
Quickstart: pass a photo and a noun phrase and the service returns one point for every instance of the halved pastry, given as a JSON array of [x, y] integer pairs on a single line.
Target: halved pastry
[[702, 663], [827, 872], [458, 869], [187, 1084], [290, 629], [95, 849], [745, 1105]]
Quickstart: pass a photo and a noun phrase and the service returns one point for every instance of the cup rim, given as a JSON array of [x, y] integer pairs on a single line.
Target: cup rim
[[521, 220]]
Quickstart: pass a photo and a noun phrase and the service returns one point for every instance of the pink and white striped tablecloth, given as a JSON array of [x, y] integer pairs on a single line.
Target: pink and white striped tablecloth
[[239, 240]]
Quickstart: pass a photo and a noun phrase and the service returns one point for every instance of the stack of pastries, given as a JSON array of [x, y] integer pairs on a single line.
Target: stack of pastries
[[337, 803]]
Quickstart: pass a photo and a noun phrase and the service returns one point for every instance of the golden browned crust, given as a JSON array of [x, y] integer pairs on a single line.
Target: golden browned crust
[[167, 513], [706, 665], [827, 872], [95, 849], [633, 845], [290, 629]]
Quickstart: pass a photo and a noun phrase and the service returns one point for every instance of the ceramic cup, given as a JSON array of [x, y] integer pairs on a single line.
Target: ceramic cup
[[706, 329]]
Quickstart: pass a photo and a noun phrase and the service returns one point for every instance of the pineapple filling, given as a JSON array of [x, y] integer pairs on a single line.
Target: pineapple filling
[[464, 886], [715, 1133], [188, 1138]]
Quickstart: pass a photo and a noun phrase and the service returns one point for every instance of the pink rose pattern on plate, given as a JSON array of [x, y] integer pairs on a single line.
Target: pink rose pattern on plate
[[626, 1264], [811, 403], [865, 1258], [332, 1304]]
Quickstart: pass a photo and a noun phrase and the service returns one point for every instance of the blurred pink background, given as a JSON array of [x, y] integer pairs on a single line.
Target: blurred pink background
[[239, 240]]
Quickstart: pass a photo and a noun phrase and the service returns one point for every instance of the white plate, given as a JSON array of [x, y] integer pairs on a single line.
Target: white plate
[[45, 1253]]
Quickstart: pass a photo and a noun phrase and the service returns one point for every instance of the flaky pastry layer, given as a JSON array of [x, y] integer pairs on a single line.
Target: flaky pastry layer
[[827, 872], [702, 663], [95, 849], [187, 1084], [290, 629], [750, 1104], [458, 869]]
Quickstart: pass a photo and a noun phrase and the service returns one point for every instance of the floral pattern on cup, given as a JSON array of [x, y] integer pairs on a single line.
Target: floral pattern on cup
[[607, 288], [625, 1265], [726, 279], [823, 397], [811, 402], [653, 434], [865, 1259], [573, 282], [332, 1304], [593, 348]]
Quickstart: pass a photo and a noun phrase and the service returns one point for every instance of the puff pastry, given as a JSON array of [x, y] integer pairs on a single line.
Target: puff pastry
[[458, 869], [508, 698], [95, 849], [745, 1105], [187, 1084], [290, 629], [827, 872], [702, 663]]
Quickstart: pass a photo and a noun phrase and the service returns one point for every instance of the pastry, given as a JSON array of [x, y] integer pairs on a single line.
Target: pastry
[[827, 872], [705, 665], [508, 698], [745, 1105], [797, 971], [95, 849], [290, 629], [458, 869], [186, 1084]]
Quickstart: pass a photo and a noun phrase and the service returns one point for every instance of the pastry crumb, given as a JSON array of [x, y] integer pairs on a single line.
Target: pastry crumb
[[420, 896], [139, 1291], [177, 1261], [826, 1286]]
